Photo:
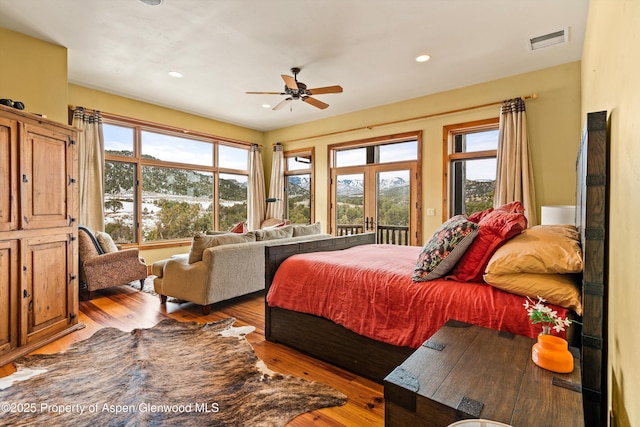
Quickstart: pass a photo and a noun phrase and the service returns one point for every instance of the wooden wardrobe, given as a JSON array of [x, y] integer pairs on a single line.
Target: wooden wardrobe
[[38, 232]]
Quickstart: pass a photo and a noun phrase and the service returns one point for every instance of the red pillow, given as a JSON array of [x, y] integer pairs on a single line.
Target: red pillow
[[239, 228], [513, 207], [496, 227]]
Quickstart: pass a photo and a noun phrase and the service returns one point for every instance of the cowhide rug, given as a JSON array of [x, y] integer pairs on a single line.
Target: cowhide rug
[[148, 288], [182, 374]]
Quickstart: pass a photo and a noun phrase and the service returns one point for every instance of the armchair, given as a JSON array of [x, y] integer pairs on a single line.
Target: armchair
[[100, 269]]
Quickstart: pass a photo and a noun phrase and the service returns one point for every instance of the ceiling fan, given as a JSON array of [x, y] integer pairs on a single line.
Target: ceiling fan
[[298, 90]]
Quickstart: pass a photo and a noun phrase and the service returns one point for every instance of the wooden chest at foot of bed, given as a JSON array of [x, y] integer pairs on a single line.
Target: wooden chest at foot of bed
[[466, 371]]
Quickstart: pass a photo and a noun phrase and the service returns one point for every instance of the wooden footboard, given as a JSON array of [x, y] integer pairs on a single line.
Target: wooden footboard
[[322, 338], [332, 343]]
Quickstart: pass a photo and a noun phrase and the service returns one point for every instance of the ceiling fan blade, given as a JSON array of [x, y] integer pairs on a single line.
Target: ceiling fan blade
[[282, 103], [290, 82], [315, 102], [326, 89], [265, 93]]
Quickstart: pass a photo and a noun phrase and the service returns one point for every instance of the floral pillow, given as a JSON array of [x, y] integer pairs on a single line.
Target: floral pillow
[[445, 248]]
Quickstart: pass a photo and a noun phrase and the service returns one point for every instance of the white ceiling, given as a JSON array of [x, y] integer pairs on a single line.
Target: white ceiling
[[227, 47]]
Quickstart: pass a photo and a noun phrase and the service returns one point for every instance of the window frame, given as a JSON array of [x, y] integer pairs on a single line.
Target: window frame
[[449, 133], [306, 152], [138, 162], [372, 161]]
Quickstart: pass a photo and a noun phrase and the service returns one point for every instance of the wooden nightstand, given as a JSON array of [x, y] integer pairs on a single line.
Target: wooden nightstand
[[466, 371]]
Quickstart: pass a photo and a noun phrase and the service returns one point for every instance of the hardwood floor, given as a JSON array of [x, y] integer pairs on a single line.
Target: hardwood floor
[[126, 308]]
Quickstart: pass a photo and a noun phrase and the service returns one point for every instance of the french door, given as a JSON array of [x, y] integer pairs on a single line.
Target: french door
[[380, 198]]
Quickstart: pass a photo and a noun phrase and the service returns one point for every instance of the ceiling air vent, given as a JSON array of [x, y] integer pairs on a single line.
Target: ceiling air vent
[[557, 37]]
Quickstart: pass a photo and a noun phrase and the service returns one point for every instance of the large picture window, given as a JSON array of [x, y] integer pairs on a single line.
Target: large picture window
[[470, 153], [161, 185]]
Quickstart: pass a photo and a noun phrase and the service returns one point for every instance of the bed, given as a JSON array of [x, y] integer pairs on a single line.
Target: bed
[[372, 357]]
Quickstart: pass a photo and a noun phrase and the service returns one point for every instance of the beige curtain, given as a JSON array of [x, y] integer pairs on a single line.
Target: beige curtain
[[255, 214], [514, 178], [91, 166], [276, 187]]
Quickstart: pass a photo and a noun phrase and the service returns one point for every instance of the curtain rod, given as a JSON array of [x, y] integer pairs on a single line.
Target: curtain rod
[[87, 110], [395, 122]]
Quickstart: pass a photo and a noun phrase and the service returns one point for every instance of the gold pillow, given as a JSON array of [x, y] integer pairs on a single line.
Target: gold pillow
[[558, 289], [202, 242], [542, 249]]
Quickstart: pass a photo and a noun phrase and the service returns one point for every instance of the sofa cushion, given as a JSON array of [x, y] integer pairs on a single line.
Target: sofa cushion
[[274, 233], [202, 242], [106, 242], [306, 229]]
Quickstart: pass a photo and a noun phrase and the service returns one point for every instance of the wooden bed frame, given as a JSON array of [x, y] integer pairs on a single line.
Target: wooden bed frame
[[325, 340]]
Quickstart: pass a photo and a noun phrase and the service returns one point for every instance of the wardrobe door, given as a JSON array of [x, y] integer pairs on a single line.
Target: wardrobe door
[[9, 279], [47, 178]]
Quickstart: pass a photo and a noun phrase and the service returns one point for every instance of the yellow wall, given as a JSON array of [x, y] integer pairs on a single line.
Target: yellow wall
[[554, 124], [610, 82], [102, 101], [34, 72]]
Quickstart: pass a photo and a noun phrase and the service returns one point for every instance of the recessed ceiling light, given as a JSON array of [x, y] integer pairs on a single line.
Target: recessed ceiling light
[[266, 106], [175, 74], [152, 2], [423, 58]]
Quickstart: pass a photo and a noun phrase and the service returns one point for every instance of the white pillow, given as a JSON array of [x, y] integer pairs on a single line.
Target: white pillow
[[106, 242]]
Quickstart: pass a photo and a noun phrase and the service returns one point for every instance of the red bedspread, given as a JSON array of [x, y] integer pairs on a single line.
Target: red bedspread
[[368, 289]]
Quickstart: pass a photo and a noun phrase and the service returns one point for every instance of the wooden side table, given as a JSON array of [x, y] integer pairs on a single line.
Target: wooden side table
[[466, 371]]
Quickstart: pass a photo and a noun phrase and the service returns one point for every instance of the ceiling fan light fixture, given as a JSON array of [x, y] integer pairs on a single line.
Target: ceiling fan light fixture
[[423, 57]]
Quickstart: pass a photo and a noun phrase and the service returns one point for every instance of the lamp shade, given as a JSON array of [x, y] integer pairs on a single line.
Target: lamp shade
[[558, 215]]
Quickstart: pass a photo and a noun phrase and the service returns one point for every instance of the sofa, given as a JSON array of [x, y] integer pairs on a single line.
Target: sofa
[[219, 267]]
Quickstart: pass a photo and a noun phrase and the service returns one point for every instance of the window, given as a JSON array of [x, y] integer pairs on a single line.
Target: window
[[374, 187], [471, 158], [299, 186], [161, 183]]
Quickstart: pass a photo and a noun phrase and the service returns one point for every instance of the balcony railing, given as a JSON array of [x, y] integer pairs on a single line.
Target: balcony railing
[[391, 234]]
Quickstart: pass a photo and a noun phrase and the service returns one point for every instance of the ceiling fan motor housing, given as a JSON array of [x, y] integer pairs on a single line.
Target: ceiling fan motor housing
[[302, 90]]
